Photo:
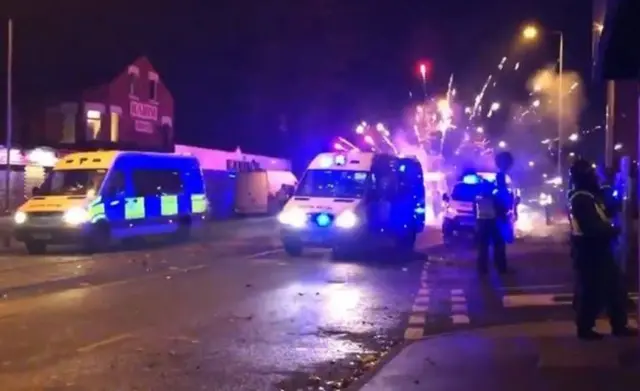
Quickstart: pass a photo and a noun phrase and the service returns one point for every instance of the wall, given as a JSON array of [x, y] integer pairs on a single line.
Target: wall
[[212, 159]]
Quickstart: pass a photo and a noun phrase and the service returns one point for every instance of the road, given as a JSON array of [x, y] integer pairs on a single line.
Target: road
[[232, 312]]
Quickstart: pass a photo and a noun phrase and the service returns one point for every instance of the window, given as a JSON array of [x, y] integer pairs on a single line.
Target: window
[[115, 184], [133, 79], [72, 182], [333, 184], [94, 119], [115, 127], [465, 192], [69, 128], [157, 182], [153, 90], [194, 182]]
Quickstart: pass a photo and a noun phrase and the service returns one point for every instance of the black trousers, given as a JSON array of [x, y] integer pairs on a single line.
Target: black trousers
[[488, 235], [598, 287]]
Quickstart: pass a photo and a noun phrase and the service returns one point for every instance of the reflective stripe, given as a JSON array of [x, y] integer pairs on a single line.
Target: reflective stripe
[[169, 205], [134, 208], [198, 203], [484, 208], [600, 209]]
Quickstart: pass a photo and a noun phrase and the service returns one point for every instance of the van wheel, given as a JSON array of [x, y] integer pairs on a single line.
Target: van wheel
[[184, 230], [36, 247], [99, 238], [293, 250]]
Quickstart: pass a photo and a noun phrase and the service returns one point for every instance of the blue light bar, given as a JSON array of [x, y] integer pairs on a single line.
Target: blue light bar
[[471, 179], [323, 220]]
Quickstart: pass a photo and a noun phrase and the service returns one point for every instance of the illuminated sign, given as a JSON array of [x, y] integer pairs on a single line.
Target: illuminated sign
[[143, 111], [143, 126], [243, 165]]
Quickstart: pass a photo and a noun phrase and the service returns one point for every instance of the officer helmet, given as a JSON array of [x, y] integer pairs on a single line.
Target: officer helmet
[[583, 174]]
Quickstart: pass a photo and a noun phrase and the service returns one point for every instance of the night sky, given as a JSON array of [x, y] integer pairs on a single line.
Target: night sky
[[271, 75]]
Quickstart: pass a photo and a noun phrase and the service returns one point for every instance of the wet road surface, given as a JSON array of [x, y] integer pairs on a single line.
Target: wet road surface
[[229, 312]]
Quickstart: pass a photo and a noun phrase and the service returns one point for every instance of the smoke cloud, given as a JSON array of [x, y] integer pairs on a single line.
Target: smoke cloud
[[545, 86]]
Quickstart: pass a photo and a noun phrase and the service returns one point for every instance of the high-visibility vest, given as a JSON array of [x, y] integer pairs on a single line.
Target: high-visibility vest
[[575, 227], [485, 209]]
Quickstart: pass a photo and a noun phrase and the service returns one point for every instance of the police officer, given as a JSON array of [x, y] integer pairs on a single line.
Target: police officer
[[598, 279], [488, 231]]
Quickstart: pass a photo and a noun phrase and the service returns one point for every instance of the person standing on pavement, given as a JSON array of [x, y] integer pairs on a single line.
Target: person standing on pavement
[[488, 232], [598, 278]]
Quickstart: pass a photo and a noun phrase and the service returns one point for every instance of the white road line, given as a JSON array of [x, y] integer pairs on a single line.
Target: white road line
[[413, 333], [421, 300], [458, 299], [457, 292], [104, 342], [533, 300], [417, 320], [460, 319], [459, 308], [423, 292], [533, 287], [419, 308]]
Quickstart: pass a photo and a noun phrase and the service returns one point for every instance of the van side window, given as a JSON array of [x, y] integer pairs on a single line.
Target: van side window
[[157, 182], [115, 185]]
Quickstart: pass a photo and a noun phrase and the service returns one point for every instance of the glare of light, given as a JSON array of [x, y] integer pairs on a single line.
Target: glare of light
[[555, 181], [530, 32], [360, 129], [524, 224], [572, 154], [544, 175], [594, 165], [573, 137], [502, 144], [495, 106], [546, 141], [380, 127], [537, 88], [338, 147], [480, 129], [517, 66], [468, 110], [531, 164], [536, 103], [598, 27], [369, 140], [617, 147]]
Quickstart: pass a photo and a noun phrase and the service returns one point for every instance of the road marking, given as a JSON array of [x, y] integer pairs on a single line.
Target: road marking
[[263, 253], [460, 319], [532, 287], [423, 292], [422, 300], [104, 342], [459, 309], [419, 308], [413, 333], [417, 320], [542, 300]]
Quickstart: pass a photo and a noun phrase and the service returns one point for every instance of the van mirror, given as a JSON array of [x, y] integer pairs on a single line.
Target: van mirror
[[35, 190], [445, 197]]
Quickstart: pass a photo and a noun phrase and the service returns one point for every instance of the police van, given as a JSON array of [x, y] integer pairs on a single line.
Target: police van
[[349, 201], [460, 212], [95, 198]]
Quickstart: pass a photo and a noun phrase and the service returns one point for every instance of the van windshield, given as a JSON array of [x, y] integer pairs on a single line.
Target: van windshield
[[465, 192], [333, 184], [72, 182]]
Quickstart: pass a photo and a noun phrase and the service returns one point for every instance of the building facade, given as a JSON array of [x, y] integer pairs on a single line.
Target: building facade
[[130, 109]]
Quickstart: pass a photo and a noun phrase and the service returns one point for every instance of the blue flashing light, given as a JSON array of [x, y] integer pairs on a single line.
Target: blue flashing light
[[420, 211], [326, 162], [341, 160], [471, 179], [323, 220], [615, 193], [403, 168]]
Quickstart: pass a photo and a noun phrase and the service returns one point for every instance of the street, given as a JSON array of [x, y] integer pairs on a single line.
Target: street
[[230, 311]]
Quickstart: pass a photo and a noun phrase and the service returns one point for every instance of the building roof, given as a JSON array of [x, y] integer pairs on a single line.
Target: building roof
[[619, 47]]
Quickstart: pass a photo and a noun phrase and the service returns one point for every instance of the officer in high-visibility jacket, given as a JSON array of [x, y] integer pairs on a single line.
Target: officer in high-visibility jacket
[[488, 231], [598, 279]]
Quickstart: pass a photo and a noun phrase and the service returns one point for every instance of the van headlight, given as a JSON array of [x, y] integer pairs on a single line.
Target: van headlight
[[76, 216], [293, 217], [346, 220], [19, 217]]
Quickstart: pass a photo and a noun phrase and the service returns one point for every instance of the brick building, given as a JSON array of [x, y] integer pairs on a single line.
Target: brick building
[[124, 108]]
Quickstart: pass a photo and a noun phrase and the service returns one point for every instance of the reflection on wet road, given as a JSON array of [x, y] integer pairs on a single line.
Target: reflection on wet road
[[230, 312]]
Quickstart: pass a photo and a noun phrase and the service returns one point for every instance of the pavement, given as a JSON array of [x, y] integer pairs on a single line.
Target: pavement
[[231, 311]]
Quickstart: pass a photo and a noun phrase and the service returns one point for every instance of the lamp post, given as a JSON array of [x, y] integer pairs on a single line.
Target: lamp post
[[530, 33], [9, 125]]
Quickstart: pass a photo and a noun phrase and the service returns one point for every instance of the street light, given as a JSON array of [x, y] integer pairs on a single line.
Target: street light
[[480, 129], [530, 33], [502, 144]]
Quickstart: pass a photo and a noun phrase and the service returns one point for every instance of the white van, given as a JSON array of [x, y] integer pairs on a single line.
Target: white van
[[348, 201]]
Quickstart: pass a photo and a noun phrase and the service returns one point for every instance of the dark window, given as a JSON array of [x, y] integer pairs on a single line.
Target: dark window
[[72, 182], [153, 90], [133, 78], [115, 184], [157, 182], [333, 184]]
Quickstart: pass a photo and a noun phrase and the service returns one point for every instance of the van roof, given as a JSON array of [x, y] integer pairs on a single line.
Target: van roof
[[103, 160]]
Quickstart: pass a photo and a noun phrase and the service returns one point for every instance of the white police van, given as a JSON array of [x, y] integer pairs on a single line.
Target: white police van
[[460, 213], [348, 201]]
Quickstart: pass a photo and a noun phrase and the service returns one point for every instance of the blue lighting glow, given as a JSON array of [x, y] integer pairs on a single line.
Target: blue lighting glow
[[403, 168], [471, 179], [323, 220], [420, 211]]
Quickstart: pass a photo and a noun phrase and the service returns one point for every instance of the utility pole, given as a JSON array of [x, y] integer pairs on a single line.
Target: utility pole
[[7, 177], [560, 103]]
